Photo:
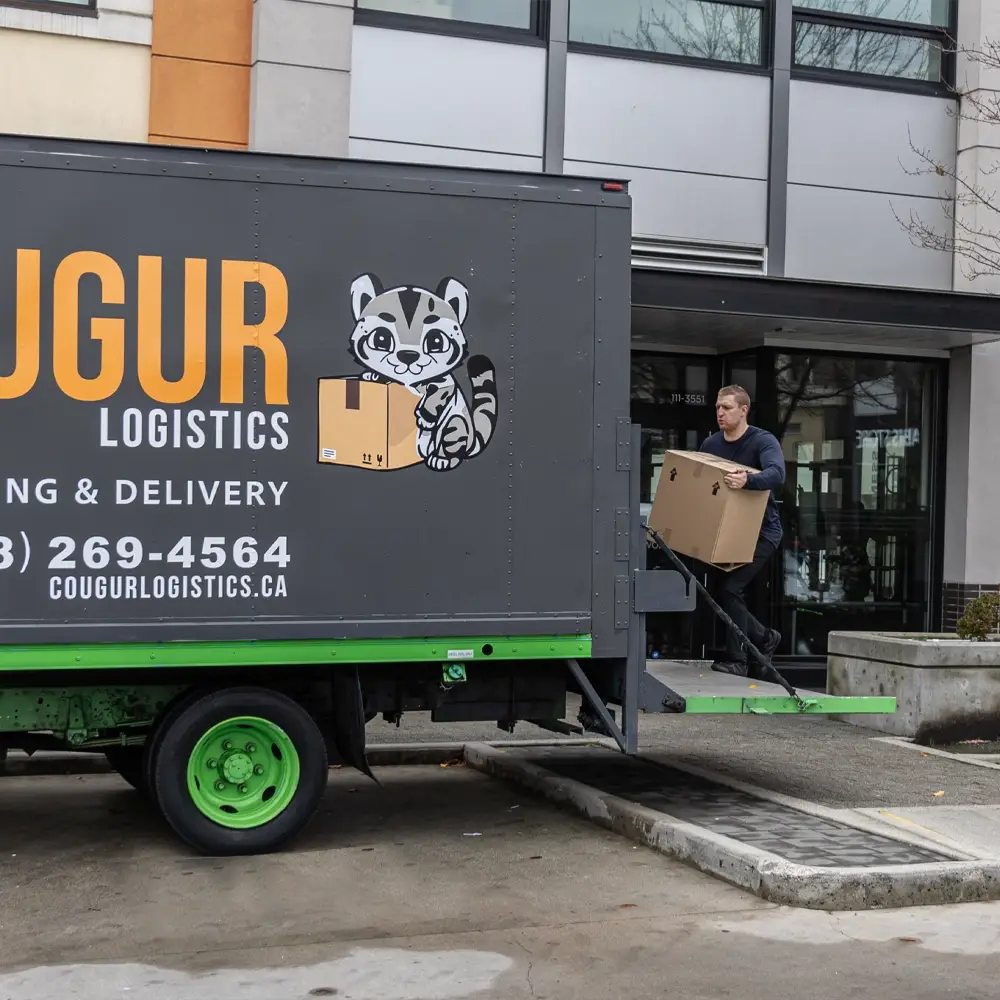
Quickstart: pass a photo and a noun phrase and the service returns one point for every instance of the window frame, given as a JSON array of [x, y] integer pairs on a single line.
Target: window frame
[[86, 9], [537, 34], [762, 68], [909, 29]]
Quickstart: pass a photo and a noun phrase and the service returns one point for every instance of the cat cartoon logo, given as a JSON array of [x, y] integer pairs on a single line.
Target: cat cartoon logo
[[406, 406], [715, 488], [673, 474]]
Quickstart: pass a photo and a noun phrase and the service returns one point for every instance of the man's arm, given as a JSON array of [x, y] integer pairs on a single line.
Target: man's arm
[[772, 467]]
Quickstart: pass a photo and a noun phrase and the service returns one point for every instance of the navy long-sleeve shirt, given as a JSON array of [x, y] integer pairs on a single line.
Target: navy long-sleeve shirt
[[761, 450]]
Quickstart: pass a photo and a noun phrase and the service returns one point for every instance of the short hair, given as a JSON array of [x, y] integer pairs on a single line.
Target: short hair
[[740, 394]]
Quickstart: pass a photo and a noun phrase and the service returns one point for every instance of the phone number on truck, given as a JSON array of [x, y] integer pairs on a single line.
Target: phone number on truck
[[128, 552]]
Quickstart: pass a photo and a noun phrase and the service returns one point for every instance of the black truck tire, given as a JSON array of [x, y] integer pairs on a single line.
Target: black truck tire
[[155, 737], [239, 770]]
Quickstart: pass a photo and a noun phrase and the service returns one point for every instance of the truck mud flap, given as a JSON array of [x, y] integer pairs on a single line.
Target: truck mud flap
[[349, 720]]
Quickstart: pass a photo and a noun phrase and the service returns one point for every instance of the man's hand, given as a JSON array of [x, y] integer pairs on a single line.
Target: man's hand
[[736, 480]]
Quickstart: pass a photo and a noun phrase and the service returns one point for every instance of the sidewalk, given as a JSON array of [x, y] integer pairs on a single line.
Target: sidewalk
[[950, 799]]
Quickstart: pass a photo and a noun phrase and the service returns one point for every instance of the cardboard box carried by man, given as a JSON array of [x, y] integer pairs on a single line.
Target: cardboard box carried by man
[[698, 516]]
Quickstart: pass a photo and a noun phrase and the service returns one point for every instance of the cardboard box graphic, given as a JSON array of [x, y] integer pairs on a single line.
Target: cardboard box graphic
[[697, 515], [368, 425]]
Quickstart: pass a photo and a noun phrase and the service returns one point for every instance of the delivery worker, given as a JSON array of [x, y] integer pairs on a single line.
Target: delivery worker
[[738, 442]]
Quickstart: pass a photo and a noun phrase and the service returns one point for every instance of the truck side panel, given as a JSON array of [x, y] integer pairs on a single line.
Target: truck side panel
[[177, 477]]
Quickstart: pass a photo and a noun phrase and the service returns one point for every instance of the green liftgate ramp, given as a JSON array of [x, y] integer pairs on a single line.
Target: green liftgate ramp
[[708, 693]]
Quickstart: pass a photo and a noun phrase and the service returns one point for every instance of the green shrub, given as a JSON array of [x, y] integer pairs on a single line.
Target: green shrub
[[981, 619]]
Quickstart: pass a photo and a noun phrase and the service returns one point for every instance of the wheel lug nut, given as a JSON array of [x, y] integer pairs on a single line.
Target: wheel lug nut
[[212, 764], [220, 785], [227, 744], [242, 789], [251, 748], [258, 769]]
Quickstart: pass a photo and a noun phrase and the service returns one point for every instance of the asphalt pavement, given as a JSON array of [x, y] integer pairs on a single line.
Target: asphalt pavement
[[439, 883]]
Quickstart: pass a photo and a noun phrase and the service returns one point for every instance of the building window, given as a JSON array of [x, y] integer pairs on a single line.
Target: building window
[[708, 30], [896, 41], [458, 16], [935, 13]]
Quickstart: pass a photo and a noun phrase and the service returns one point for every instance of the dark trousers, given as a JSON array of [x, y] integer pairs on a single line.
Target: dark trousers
[[728, 590]]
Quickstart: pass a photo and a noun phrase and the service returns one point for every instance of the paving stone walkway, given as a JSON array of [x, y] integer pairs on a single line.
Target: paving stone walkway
[[788, 833]]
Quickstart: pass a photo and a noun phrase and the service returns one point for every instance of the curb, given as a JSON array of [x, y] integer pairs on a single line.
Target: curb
[[766, 875], [416, 754], [968, 758]]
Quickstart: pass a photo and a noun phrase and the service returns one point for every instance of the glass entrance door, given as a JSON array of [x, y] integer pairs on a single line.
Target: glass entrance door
[[857, 435], [859, 506], [673, 400]]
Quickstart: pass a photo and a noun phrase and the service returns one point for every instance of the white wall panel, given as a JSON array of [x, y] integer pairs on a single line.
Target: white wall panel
[[401, 152], [855, 138], [441, 91], [648, 114], [853, 236], [689, 206]]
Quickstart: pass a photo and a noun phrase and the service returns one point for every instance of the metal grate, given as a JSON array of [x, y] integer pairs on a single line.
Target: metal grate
[[658, 253]]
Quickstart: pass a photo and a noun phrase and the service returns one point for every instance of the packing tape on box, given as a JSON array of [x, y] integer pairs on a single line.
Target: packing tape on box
[[352, 394]]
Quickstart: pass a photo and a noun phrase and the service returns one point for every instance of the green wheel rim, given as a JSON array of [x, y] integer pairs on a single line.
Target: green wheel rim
[[243, 772]]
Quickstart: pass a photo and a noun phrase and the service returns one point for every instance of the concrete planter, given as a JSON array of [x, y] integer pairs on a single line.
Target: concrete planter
[[946, 689]]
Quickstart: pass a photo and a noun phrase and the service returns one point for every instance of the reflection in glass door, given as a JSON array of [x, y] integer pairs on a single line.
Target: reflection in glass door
[[673, 399]]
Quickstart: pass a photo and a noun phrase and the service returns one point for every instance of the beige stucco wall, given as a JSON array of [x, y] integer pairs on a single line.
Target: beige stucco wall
[[61, 85]]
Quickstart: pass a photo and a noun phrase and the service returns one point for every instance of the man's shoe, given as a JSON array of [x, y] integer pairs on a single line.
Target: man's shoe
[[771, 644], [767, 649], [729, 667]]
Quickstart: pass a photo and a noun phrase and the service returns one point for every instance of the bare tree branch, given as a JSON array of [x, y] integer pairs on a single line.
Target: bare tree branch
[[972, 208]]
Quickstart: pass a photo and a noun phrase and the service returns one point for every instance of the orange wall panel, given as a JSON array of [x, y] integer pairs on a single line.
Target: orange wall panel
[[199, 100], [200, 72], [173, 140], [213, 30]]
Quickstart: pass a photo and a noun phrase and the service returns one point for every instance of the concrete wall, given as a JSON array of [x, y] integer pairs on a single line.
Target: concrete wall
[[443, 99], [693, 143], [972, 531], [76, 76], [300, 91], [849, 154], [972, 536], [978, 143]]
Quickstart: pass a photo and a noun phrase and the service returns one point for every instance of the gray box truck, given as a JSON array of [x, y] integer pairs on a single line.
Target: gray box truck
[[292, 443]]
